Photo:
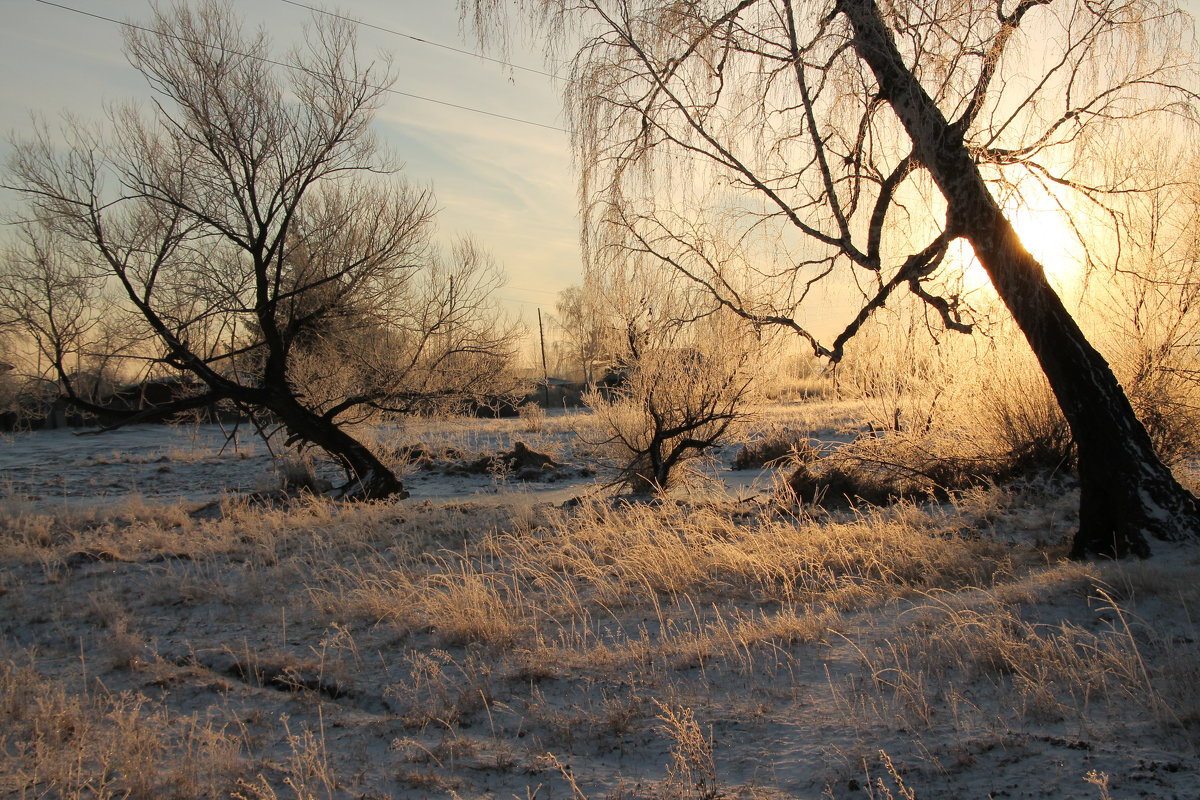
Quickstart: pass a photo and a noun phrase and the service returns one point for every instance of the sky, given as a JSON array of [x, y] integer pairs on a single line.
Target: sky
[[508, 184]]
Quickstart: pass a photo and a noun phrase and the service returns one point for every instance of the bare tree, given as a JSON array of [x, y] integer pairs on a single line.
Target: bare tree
[[687, 368], [1146, 293], [846, 145], [250, 227], [52, 303], [587, 335]]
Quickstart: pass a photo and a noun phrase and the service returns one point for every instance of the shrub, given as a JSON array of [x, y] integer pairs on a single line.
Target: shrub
[[1019, 422], [685, 392], [297, 474], [775, 444], [533, 417], [1166, 397], [880, 469]]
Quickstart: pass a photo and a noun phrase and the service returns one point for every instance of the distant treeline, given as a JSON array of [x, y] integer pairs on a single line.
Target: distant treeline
[[55, 411], [52, 411]]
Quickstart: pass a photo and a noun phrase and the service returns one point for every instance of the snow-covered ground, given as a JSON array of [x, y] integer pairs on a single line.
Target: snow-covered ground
[[192, 463], [481, 640], [197, 464]]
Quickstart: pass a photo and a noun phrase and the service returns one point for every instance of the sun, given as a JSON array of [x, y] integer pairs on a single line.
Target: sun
[[1046, 230], [1049, 236]]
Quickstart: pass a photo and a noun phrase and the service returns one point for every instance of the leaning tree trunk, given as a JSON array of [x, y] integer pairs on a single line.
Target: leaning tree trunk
[[369, 478], [1125, 490]]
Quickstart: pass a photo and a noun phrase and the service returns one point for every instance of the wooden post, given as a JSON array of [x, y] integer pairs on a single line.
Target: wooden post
[[545, 372]]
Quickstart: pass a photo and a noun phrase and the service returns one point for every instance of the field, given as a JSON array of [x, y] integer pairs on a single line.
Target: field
[[485, 638]]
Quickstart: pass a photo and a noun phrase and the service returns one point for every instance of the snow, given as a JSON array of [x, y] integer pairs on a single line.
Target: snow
[[199, 464], [167, 463], [338, 622]]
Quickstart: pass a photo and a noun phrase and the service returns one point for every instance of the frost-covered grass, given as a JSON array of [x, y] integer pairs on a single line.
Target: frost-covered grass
[[697, 649], [716, 644]]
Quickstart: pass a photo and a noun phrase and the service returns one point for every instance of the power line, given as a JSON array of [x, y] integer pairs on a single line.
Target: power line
[[429, 42], [529, 289], [387, 89]]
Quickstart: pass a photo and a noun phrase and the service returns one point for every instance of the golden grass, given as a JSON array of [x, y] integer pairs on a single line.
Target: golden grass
[[245, 655], [86, 744]]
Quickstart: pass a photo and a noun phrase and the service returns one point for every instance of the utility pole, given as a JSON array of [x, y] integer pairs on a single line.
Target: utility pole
[[545, 372]]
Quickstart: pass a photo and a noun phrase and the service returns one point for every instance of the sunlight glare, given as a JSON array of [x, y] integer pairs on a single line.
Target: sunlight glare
[[1046, 232]]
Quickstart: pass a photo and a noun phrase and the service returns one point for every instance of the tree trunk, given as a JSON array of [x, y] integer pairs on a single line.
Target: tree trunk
[[369, 478], [1125, 490]]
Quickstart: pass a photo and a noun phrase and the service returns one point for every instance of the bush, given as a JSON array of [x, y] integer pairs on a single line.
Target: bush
[[685, 392], [965, 415], [1001, 422], [879, 469], [533, 417], [297, 474], [1166, 397], [1019, 422], [776, 443]]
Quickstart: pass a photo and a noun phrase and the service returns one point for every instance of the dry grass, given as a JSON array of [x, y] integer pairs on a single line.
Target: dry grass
[[85, 743], [1005, 660], [569, 570], [692, 774], [612, 649]]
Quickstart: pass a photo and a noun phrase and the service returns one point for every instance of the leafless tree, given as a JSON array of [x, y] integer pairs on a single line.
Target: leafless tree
[[251, 229], [687, 370], [1146, 293], [843, 146], [52, 304], [586, 333]]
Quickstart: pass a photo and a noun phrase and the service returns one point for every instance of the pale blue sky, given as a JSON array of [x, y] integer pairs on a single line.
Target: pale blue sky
[[510, 185]]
